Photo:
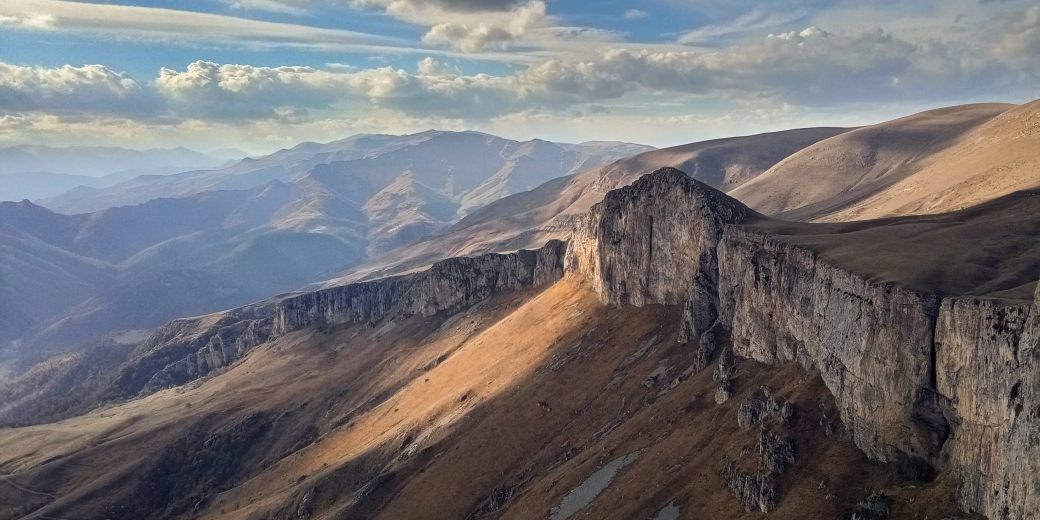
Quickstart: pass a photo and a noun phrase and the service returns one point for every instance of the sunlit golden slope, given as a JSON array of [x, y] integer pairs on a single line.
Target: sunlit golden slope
[[512, 409], [935, 161]]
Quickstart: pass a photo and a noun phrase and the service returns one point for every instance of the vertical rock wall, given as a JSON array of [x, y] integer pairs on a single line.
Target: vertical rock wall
[[871, 343], [651, 242], [988, 365], [950, 384], [447, 286]]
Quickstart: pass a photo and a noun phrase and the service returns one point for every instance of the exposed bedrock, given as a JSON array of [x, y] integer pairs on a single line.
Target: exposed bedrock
[[871, 343], [949, 384], [988, 365], [187, 349], [654, 241], [448, 285]]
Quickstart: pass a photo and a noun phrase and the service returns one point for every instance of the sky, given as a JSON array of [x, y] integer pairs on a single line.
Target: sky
[[259, 75]]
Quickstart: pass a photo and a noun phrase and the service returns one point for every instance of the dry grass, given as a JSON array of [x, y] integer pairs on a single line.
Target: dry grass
[[426, 418]]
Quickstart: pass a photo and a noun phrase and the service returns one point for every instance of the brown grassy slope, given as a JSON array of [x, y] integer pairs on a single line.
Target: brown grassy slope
[[847, 176], [997, 158], [499, 411], [992, 249]]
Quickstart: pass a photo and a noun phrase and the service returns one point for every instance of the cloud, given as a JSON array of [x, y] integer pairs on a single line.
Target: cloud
[[805, 68], [270, 6], [754, 20], [28, 20], [456, 6], [636, 14], [477, 36], [1020, 43], [72, 90], [180, 27]]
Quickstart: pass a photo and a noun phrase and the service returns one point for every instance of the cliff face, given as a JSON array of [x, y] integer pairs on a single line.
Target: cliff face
[[988, 365], [187, 349], [651, 241], [448, 285], [949, 384], [871, 343]]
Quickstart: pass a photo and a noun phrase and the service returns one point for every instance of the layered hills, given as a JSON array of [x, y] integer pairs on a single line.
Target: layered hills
[[529, 218], [160, 246], [609, 365], [34, 171]]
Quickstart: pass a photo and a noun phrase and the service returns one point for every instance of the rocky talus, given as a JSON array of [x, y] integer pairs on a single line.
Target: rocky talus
[[932, 383]]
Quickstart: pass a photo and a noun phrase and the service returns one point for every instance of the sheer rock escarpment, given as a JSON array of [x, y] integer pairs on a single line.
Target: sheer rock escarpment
[[656, 242], [931, 383], [187, 349], [871, 343], [988, 366], [449, 285]]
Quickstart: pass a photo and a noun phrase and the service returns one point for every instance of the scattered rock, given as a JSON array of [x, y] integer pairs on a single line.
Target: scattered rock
[[756, 492], [875, 507], [761, 407], [723, 376]]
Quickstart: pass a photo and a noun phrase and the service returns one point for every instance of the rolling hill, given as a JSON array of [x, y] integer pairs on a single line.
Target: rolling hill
[[931, 162]]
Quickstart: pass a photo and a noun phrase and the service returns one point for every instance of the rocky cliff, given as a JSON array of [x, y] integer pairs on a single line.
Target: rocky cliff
[[187, 349], [929, 382], [932, 383], [448, 285], [988, 366]]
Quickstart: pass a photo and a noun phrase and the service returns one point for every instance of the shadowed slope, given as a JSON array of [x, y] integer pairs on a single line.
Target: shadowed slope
[[935, 161], [412, 418]]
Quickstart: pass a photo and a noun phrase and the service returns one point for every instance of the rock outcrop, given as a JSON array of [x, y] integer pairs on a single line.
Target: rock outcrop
[[656, 241], [988, 366], [187, 349], [448, 285], [929, 382], [871, 343]]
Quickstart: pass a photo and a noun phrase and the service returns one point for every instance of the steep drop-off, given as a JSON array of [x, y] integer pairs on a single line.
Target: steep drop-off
[[931, 382], [600, 383]]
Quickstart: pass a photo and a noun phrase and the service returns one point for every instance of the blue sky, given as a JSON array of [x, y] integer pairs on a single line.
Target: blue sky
[[262, 74]]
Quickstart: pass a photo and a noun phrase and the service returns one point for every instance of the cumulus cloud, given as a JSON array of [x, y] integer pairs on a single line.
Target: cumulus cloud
[[810, 67], [71, 90], [476, 36], [466, 25]]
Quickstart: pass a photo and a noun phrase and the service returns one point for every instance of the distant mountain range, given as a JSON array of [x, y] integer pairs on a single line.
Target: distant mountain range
[[147, 249], [34, 172]]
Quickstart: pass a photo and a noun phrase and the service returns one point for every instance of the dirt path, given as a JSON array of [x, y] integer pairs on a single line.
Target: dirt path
[[19, 487]]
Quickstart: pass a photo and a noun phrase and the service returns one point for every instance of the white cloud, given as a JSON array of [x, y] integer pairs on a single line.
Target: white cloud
[[474, 36], [180, 27], [27, 20], [754, 20], [636, 14], [270, 6], [808, 69], [71, 90]]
